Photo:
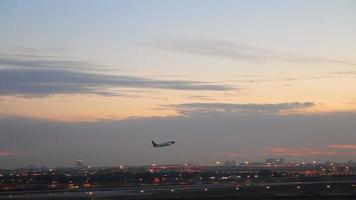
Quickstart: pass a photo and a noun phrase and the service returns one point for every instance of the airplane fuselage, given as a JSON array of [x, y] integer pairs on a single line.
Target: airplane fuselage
[[163, 144]]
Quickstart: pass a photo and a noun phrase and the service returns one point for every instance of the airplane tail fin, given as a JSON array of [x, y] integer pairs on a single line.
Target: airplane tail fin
[[153, 143]]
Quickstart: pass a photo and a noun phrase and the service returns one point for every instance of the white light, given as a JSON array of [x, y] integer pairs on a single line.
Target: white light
[[172, 190]]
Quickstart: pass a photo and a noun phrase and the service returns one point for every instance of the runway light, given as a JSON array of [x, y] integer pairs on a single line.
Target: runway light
[[267, 187], [206, 189]]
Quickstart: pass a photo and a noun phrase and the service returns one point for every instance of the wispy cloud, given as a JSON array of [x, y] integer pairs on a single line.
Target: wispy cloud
[[298, 152], [39, 75], [231, 50], [30, 58], [332, 75], [60, 81], [5, 153], [230, 108], [342, 146], [305, 151]]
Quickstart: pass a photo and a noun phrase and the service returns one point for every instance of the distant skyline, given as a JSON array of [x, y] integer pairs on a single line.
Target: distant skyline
[[227, 80]]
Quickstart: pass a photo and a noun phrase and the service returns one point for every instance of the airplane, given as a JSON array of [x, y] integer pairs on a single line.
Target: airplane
[[169, 143]]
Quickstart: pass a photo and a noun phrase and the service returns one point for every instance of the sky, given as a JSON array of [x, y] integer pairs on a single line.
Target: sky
[[227, 80]]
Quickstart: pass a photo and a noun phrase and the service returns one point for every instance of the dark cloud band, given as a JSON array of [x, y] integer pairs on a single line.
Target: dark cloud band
[[60, 81], [228, 108]]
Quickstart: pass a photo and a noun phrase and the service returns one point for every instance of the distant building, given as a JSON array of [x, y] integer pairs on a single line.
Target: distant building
[[275, 161], [230, 163], [79, 164]]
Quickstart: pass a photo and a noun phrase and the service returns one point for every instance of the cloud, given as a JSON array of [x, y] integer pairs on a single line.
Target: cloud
[[283, 151], [287, 79], [36, 75], [200, 140], [303, 152], [39, 82], [44, 62], [5, 153], [231, 50], [342, 146], [189, 109]]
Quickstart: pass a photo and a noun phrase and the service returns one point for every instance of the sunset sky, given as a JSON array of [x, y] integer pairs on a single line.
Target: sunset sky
[[227, 80]]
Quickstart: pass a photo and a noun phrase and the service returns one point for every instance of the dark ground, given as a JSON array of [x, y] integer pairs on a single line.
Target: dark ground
[[284, 191]]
